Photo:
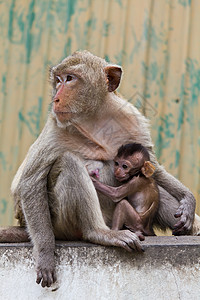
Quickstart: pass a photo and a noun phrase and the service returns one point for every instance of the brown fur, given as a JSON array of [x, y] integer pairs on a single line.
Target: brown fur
[[138, 196]]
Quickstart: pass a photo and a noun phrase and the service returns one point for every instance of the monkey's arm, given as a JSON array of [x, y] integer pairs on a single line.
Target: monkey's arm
[[33, 191], [174, 187], [30, 184], [186, 210], [116, 193]]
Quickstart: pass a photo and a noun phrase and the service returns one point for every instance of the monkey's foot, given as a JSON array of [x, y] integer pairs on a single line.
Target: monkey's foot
[[140, 235], [14, 234], [120, 238], [138, 231]]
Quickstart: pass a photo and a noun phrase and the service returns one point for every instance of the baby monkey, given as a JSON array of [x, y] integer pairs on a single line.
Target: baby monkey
[[137, 197]]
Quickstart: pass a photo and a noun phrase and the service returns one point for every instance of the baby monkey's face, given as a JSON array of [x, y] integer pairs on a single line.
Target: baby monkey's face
[[125, 167]]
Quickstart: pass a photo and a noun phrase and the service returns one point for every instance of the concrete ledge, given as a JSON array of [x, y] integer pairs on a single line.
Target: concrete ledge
[[168, 269]]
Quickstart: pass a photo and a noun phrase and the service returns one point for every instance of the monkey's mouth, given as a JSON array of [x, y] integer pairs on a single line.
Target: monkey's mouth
[[62, 112], [64, 115], [128, 177], [122, 179]]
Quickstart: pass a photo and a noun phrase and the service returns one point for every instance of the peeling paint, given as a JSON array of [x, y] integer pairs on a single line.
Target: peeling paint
[[3, 162], [3, 206], [32, 118], [184, 2], [153, 40]]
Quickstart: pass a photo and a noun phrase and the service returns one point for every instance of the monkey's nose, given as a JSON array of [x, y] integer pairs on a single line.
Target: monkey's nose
[[56, 100], [117, 172]]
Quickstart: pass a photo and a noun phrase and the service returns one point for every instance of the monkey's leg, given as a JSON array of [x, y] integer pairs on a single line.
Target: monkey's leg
[[13, 234], [79, 208], [125, 214]]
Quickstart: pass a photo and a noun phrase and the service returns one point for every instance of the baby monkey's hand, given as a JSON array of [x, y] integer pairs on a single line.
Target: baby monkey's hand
[[94, 168], [94, 173]]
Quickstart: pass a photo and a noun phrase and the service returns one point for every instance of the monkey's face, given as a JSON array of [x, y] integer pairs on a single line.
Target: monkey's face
[[122, 169], [64, 101], [80, 85], [125, 167]]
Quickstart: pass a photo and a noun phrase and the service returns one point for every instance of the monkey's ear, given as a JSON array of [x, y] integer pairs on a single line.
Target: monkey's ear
[[113, 74], [148, 169]]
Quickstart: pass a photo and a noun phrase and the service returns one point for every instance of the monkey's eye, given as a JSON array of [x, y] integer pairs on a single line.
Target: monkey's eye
[[58, 79], [69, 78], [124, 166], [116, 163]]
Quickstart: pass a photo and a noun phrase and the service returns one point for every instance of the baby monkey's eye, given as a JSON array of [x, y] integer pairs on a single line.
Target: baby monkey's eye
[[124, 166], [116, 163]]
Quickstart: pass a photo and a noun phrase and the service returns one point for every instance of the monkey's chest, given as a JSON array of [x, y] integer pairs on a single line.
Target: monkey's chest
[[90, 147], [100, 141]]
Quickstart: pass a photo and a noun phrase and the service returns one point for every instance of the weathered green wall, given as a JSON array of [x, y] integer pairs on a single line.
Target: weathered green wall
[[157, 43]]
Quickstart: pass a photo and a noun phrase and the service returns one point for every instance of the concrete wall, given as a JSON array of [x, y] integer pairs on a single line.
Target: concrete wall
[[168, 269]]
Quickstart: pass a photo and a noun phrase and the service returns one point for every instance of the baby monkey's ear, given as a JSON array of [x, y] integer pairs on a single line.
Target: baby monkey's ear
[[148, 169]]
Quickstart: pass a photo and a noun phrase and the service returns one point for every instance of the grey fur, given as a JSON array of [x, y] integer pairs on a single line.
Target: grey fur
[[52, 188]]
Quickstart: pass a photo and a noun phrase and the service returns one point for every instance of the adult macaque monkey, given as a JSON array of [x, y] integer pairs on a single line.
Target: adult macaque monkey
[[138, 194], [53, 192]]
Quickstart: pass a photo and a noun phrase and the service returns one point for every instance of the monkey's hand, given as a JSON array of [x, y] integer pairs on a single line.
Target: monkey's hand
[[45, 270], [93, 168], [186, 214], [95, 173], [93, 179]]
